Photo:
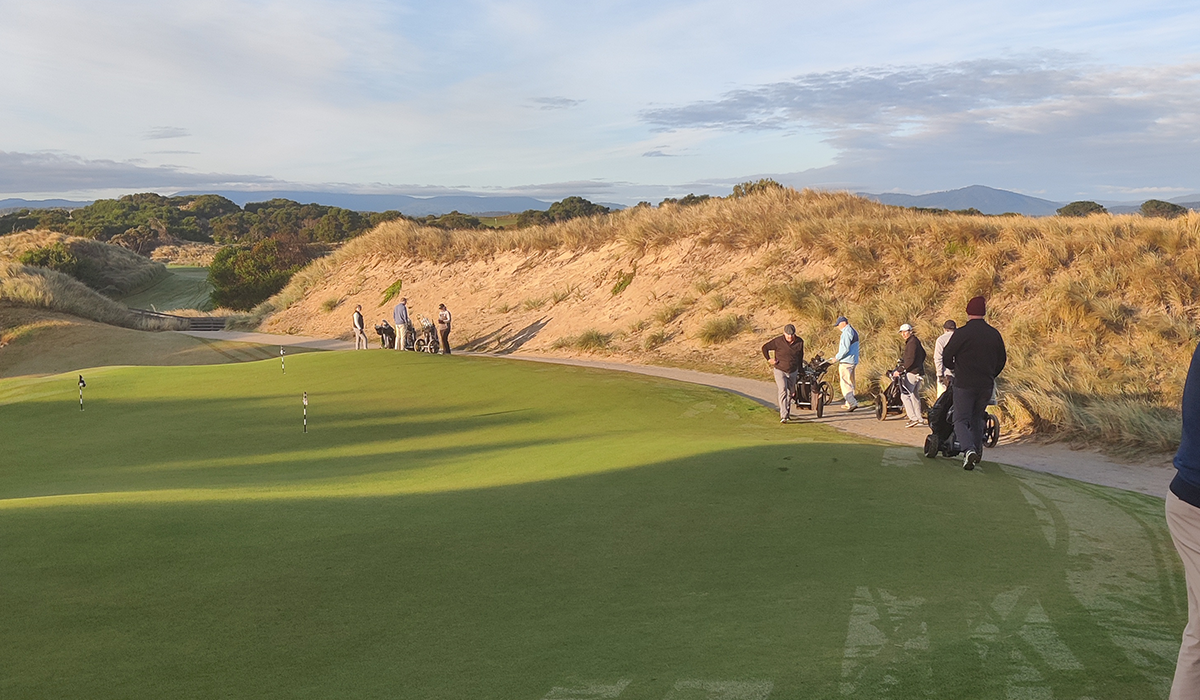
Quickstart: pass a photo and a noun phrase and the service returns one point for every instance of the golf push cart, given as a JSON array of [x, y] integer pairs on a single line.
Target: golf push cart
[[812, 391], [941, 437]]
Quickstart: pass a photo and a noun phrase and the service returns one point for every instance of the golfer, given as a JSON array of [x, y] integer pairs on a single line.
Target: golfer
[[1183, 520], [939, 347], [976, 355], [443, 326], [400, 316], [847, 359], [911, 375], [789, 355], [360, 333]]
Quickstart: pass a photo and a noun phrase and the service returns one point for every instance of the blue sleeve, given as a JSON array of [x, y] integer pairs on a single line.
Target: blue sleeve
[[1187, 459]]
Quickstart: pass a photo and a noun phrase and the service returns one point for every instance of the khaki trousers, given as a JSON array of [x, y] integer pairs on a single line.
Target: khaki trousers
[[360, 340], [401, 336], [1183, 520], [846, 377]]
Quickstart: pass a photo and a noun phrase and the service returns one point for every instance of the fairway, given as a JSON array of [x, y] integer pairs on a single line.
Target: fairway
[[181, 288], [471, 528]]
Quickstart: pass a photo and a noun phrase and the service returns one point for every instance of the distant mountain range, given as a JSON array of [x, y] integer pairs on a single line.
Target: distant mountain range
[[990, 200]]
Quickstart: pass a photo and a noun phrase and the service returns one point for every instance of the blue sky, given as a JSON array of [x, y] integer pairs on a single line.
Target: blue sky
[[615, 101]]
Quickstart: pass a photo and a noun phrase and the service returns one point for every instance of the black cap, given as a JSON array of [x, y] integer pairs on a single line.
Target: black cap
[[789, 329], [950, 325]]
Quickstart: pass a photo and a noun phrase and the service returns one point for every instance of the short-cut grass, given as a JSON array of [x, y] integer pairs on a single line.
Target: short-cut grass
[[458, 527]]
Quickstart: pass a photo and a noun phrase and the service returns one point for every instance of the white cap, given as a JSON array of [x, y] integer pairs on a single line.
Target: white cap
[[905, 327]]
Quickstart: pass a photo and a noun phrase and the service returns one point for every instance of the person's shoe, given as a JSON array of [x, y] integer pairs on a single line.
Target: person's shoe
[[970, 460], [852, 409], [784, 420]]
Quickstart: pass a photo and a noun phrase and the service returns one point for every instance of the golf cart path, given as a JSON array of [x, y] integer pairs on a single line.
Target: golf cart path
[[1150, 476]]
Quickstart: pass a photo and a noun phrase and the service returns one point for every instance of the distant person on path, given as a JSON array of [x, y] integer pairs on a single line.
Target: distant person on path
[[939, 348], [360, 332], [443, 326], [976, 356], [911, 375], [1183, 520], [789, 355], [400, 316], [847, 359]]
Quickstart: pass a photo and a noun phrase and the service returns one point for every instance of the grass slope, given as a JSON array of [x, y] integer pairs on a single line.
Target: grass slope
[[41, 342], [181, 288], [474, 528]]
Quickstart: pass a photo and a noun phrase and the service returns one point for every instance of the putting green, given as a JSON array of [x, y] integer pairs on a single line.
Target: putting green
[[473, 528]]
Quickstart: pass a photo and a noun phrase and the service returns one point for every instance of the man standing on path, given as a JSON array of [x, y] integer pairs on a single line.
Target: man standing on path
[[443, 325], [939, 348], [400, 316], [976, 355], [360, 333], [1183, 520], [789, 355], [911, 375], [847, 359]]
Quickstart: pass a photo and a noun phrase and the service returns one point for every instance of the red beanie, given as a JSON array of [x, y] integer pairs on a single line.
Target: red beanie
[[977, 307]]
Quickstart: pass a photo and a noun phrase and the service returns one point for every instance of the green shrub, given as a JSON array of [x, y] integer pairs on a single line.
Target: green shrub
[[55, 257], [533, 304], [623, 281], [392, 290], [671, 312], [1081, 208], [591, 339], [722, 328], [243, 277], [1161, 209], [330, 304]]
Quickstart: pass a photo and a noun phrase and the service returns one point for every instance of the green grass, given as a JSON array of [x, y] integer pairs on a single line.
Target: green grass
[[474, 528], [180, 288]]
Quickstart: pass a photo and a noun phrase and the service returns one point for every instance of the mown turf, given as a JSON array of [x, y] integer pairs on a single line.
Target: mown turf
[[181, 288], [475, 528]]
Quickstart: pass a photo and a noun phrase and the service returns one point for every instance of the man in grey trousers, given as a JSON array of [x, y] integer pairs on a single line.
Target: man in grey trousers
[[789, 356], [360, 333]]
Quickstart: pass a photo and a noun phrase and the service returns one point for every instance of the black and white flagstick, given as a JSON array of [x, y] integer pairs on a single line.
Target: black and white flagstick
[[282, 366], [81, 385], [306, 411]]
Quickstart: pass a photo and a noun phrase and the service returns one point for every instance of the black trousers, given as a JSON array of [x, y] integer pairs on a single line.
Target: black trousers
[[970, 412], [444, 338]]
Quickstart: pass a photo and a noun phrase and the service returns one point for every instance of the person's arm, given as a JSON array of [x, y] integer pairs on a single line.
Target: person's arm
[[938, 347], [766, 349], [951, 349], [910, 353], [843, 345], [1003, 359]]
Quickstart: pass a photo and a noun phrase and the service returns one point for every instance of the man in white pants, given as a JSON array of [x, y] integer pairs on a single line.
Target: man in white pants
[[911, 374], [939, 345], [847, 359], [400, 316], [360, 332]]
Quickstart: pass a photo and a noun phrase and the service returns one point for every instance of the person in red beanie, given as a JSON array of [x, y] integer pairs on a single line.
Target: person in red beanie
[[976, 355]]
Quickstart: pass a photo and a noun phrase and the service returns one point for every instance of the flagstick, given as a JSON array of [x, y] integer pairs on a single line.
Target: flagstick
[[281, 362], [81, 385], [306, 412]]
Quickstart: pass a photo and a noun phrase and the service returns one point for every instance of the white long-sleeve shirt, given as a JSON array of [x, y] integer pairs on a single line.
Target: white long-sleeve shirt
[[938, 346]]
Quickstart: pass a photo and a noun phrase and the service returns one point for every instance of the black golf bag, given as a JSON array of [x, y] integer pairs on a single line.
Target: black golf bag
[[941, 428], [387, 335]]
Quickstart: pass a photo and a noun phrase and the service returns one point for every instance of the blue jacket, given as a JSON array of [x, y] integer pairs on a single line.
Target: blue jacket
[[1187, 459], [848, 346], [400, 315]]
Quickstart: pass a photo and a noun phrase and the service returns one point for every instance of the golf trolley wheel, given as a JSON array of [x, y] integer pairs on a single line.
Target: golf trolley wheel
[[991, 431], [819, 404], [826, 393], [881, 407], [419, 345], [931, 446]]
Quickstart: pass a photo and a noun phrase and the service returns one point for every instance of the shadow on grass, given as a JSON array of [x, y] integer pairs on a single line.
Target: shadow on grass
[[825, 571]]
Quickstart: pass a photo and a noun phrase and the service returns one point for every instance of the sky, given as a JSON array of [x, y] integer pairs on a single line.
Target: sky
[[611, 100]]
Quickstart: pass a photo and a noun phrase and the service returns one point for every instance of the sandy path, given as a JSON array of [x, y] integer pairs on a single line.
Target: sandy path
[[1149, 476]]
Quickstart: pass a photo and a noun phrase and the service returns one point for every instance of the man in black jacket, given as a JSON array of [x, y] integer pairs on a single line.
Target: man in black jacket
[[911, 375], [976, 355], [789, 355]]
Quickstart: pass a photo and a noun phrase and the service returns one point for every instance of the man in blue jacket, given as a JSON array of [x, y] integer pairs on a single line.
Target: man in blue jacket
[[400, 316], [1183, 520], [847, 359]]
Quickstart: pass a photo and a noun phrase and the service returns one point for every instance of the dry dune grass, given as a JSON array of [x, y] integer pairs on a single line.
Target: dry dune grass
[[1099, 313], [36, 287], [110, 269]]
